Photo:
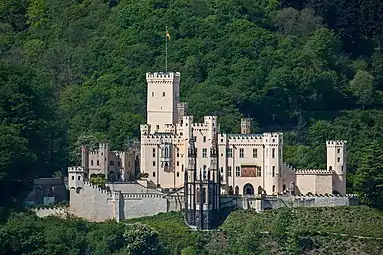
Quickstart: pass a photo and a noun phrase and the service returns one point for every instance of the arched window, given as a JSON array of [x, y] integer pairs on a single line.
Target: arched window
[[166, 151], [273, 188], [260, 190], [236, 190], [330, 168], [284, 187], [198, 195], [204, 195]]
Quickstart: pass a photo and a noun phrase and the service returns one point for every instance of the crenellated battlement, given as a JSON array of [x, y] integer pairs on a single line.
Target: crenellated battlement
[[288, 166], [325, 195], [314, 171], [141, 195], [336, 143], [75, 169], [103, 191], [162, 75]]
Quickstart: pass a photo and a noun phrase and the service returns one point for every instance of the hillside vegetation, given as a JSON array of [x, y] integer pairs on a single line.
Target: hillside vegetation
[[73, 72], [343, 230]]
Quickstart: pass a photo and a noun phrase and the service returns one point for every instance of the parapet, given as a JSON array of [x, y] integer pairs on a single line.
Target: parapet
[[314, 171], [104, 145], [336, 143], [162, 75], [75, 169], [255, 137]]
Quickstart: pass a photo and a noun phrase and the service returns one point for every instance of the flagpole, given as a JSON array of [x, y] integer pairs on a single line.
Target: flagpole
[[166, 50]]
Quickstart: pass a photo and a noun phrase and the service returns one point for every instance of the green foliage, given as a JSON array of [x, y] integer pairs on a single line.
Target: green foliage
[[72, 72], [142, 240], [26, 234], [98, 181]]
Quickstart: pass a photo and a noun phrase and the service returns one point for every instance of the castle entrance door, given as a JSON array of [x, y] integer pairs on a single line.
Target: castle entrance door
[[248, 189]]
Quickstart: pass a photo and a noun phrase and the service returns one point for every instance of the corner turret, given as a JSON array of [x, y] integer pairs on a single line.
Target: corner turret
[[76, 176]]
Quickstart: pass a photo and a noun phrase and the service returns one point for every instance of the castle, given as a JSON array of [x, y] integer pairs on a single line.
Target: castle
[[195, 167], [249, 163]]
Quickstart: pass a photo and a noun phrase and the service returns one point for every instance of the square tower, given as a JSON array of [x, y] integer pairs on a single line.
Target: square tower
[[337, 162], [162, 98], [246, 125]]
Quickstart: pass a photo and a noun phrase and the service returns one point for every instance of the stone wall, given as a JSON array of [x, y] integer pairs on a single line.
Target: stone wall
[[95, 204], [44, 212]]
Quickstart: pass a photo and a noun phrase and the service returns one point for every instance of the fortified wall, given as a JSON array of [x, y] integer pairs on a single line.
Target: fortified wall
[[95, 204]]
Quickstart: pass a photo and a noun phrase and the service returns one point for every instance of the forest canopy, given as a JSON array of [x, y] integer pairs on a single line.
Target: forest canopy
[[75, 69]]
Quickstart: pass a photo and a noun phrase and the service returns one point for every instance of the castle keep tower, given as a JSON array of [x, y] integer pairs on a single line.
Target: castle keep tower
[[337, 161], [162, 99], [202, 195], [245, 126]]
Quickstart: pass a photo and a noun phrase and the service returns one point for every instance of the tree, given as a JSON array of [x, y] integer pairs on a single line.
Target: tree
[[362, 86], [369, 175], [141, 239]]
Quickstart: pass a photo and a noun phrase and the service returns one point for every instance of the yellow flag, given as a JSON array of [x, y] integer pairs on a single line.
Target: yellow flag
[[167, 35]]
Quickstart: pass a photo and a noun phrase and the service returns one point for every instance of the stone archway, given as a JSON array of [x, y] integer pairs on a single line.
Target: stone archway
[[248, 189]]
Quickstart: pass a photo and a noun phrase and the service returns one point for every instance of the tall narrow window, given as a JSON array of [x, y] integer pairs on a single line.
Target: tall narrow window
[[255, 153], [259, 173], [204, 195], [338, 159], [204, 139], [273, 153], [154, 152], [237, 171], [338, 150], [204, 171], [229, 171], [273, 171], [273, 188], [241, 153], [154, 163], [98, 162], [91, 162], [204, 152], [163, 94], [267, 152], [229, 152], [152, 94], [198, 195]]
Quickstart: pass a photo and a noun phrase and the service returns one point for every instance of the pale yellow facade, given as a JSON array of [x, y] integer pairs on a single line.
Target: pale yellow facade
[[248, 163]]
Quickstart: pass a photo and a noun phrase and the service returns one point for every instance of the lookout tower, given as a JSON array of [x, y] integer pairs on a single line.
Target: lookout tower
[[337, 161], [162, 98]]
